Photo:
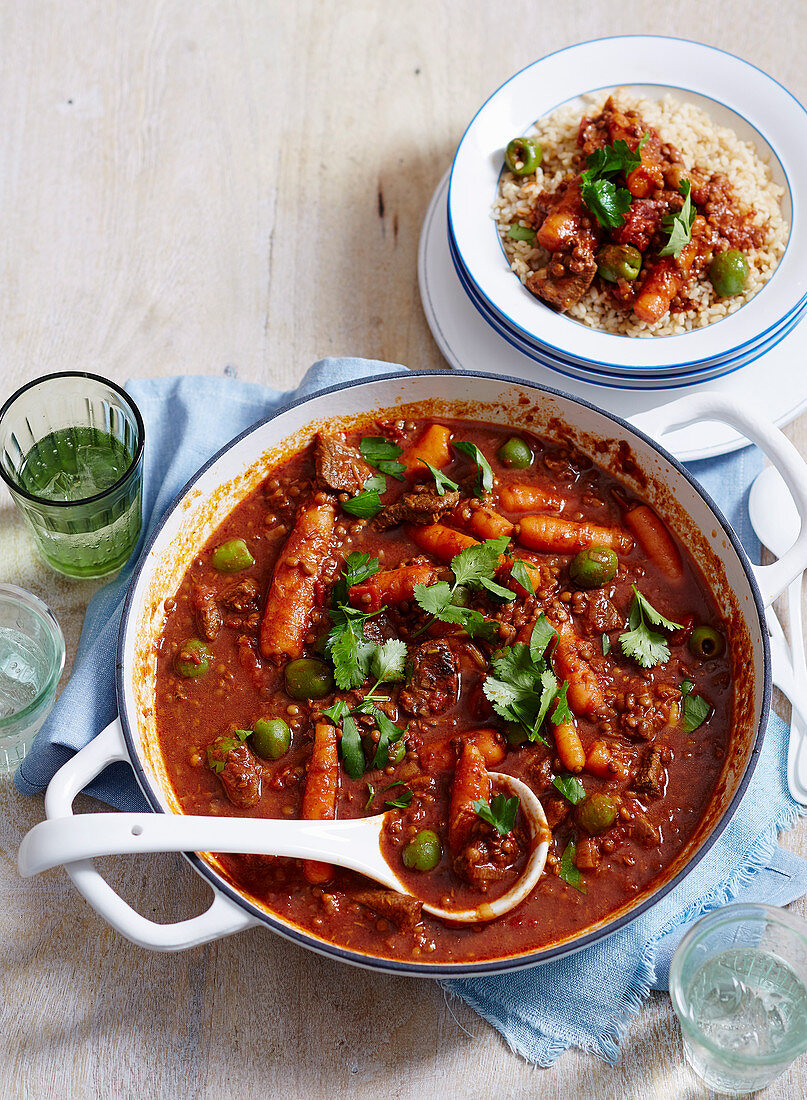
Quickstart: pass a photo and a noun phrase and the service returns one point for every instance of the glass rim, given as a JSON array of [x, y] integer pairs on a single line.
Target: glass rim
[[22, 596], [15, 488], [734, 912]]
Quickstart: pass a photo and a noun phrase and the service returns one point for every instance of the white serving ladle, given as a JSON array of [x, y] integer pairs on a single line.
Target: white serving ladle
[[776, 523], [354, 844]]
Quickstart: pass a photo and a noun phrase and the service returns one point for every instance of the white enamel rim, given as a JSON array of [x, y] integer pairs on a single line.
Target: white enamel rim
[[122, 740], [738, 94]]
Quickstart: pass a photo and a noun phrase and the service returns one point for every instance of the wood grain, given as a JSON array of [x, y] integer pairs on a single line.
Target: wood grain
[[238, 188]]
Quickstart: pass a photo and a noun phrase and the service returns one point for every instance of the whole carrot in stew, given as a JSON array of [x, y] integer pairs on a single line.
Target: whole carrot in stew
[[554, 535], [654, 538], [391, 587], [287, 616], [443, 543], [517, 497], [471, 783], [319, 796]]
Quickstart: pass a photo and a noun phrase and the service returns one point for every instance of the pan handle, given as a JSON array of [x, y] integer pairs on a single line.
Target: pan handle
[[221, 919], [772, 579]]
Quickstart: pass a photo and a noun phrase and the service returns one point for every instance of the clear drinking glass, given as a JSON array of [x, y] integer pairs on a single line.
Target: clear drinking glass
[[738, 983], [31, 662], [71, 453]]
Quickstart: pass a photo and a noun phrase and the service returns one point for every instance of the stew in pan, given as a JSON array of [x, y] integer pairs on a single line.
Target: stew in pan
[[396, 613]]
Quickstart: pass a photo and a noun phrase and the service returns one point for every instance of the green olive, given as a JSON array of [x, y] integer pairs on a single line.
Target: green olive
[[232, 556], [193, 659], [619, 261], [593, 567], [522, 156], [705, 642], [515, 454], [271, 738], [728, 273], [397, 751], [308, 678], [424, 852], [597, 813]]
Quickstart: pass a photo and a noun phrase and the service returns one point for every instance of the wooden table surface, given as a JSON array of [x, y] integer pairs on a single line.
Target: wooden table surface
[[238, 188]]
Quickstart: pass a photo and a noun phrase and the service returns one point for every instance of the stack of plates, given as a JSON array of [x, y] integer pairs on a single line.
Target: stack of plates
[[734, 94]]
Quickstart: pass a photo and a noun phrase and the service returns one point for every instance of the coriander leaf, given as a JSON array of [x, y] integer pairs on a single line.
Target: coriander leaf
[[569, 871], [382, 454], [388, 661], [644, 645], [520, 233], [655, 617], [610, 160], [358, 567], [441, 482], [351, 748], [474, 563], [436, 600], [570, 787], [497, 589], [561, 714], [484, 481], [433, 598], [686, 687], [542, 634], [679, 225], [549, 689], [376, 482], [605, 202], [351, 659], [520, 573], [389, 734], [695, 709], [365, 505], [500, 812], [370, 797], [336, 711], [403, 800], [606, 645]]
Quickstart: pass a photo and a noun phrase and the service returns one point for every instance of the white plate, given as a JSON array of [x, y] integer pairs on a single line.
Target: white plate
[[774, 382], [602, 373], [757, 106]]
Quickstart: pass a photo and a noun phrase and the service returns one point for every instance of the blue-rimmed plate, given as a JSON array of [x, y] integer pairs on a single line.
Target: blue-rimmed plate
[[733, 93]]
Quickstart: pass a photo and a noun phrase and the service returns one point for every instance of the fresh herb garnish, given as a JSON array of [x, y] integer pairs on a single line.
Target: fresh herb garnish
[[370, 796], [604, 199], [382, 454], [520, 573], [365, 505], [351, 748], [679, 225], [570, 787], [441, 482], [561, 715], [388, 661], [473, 568], [523, 686], [695, 709], [500, 812], [569, 871], [403, 800], [224, 746], [644, 645], [484, 479], [606, 645]]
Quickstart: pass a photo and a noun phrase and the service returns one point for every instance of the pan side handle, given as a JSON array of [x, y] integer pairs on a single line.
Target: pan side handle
[[772, 579], [222, 918]]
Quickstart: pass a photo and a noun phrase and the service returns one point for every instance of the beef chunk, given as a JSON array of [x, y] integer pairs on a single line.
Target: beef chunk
[[402, 909], [600, 615], [241, 773], [434, 682], [423, 505], [652, 775], [564, 280], [642, 828], [206, 611], [642, 222], [557, 809], [241, 596], [487, 856], [339, 466]]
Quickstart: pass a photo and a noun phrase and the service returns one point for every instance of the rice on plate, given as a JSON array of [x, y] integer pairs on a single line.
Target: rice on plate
[[703, 146]]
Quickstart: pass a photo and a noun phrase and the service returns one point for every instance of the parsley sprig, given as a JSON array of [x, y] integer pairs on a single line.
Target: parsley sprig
[[570, 787], [569, 871], [484, 474], [604, 199], [473, 568], [367, 503], [646, 646], [523, 686], [441, 482], [382, 454], [500, 812], [679, 225], [695, 709]]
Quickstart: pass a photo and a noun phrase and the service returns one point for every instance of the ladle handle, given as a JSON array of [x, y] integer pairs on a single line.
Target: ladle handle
[[353, 844], [222, 918], [772, 579]]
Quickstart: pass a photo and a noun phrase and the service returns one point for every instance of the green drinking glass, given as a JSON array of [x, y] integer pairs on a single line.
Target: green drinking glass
[[71, 453]]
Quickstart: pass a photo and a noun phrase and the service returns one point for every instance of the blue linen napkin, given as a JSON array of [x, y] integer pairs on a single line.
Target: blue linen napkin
[[585, 1000]]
